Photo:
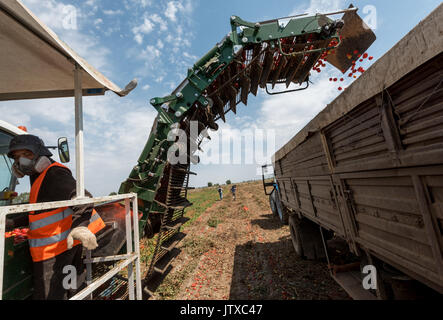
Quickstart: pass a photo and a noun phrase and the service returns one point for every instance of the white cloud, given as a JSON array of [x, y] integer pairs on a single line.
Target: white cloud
[[150, 53], [320, 6], [289, 113], [171, 10], [189, 56], [160, 44], [146, 27], [160, 21], [112, 12], [146, 87], [138, 38], [144, 3], [87, 46]]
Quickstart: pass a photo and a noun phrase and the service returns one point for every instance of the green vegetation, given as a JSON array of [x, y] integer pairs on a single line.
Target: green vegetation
[[201, 200], [195, 247], [212, 222], [209, 184], [228, 181], [21, 198]]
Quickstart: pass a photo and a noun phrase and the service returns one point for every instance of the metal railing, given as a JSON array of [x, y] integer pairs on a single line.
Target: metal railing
[[128, 260]]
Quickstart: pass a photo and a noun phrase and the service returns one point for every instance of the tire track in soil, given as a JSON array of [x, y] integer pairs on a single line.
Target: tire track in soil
[[250, 255]]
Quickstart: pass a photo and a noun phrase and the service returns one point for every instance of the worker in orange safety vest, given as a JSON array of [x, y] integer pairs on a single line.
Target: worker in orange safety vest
[[55, 236]]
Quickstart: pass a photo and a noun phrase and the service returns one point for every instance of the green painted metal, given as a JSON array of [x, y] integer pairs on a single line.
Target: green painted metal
[[17, 278]]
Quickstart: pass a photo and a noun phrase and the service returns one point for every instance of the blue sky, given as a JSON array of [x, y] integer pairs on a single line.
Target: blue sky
[[156, 42]]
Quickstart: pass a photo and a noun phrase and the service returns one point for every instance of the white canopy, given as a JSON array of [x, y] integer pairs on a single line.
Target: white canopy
[[35, 63]]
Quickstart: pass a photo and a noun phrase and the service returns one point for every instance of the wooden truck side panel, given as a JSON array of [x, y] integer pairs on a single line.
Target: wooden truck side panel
[[375, 175]]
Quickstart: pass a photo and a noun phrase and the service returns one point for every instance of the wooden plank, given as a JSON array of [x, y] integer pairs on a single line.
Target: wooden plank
[[354, 145], [326, 144], [389, 126], [423, 125], [424, 137], [430, 222], [357, 137], [363, 113], [361, 153], [398, 205], [394, 251], [297, 194], [405, 231], [410, 105], [314, 209], [344, 201]]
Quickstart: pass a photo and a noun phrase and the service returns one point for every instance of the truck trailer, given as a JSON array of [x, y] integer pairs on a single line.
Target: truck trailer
[[368, 169]]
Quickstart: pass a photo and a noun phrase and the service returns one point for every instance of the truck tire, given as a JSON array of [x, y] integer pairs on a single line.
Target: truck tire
[[272, 203], [282, 212], [306, 238], [294, 228]]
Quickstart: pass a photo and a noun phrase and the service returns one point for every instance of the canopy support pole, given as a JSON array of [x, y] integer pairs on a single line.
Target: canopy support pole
[[79, 159]]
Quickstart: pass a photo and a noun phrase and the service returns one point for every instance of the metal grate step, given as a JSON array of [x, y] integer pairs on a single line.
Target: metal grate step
[[173, 241], [177, 223], [162, 265]]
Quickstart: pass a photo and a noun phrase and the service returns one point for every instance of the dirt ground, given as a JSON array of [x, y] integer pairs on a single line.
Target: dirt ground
[[237, 250]]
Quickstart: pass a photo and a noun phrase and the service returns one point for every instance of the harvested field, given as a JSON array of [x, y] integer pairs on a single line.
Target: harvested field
[[237, 250]]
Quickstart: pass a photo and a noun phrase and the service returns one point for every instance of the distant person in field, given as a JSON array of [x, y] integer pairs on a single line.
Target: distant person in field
[[233, 190], [220, 192]]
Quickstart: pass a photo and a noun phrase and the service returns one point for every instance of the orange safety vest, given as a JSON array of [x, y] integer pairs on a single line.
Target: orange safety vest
[[48, 230]]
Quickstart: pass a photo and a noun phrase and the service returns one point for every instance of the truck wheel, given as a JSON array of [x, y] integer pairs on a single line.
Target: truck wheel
[[282, 212], [294, 228], [272, 204], [306, 238]]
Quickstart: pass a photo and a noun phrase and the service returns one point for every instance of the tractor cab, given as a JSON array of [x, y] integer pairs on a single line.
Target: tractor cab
[[46, 67], [8, 181]]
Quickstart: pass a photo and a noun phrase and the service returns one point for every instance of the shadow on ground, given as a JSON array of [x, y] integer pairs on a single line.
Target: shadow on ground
[[272, 271], [269, 222]]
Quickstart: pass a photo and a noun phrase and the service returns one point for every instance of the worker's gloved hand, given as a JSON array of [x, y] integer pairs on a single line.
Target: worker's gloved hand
[[85, 236]]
